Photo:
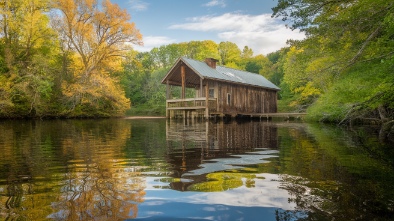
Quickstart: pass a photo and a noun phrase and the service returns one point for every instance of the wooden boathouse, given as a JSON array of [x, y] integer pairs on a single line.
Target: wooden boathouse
[[219, 91]]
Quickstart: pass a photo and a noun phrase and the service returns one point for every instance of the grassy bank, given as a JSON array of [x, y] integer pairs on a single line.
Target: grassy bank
[[364, 92]]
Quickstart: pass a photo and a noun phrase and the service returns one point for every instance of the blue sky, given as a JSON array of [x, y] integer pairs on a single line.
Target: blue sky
[[244, 22]]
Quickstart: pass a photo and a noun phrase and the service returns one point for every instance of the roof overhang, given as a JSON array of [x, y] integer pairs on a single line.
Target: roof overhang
[[173, 76], [243, 84]]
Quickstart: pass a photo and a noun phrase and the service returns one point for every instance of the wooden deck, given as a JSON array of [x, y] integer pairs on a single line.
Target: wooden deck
[[186, 108], [207, 107], [190, 107]]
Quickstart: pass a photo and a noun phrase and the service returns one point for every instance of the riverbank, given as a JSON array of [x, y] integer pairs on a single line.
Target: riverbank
[[144, 117]]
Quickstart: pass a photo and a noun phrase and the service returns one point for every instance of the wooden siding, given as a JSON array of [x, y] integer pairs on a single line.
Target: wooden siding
[[243, 99]]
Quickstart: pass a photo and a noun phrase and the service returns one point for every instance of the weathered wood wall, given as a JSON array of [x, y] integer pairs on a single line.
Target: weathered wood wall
[[244, 99]]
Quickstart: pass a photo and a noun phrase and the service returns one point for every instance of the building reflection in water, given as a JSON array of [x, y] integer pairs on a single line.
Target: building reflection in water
[[191, 144]]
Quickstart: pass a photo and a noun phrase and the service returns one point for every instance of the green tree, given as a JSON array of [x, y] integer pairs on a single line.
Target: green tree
[[137, 67], [277, 59], [259, 65], [229, 53], [348, 30], [247, 52], [199, 50], [343, 38], [27, 49]]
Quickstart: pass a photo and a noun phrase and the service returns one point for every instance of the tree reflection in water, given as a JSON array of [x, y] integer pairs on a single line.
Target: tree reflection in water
[[98, 192], [334, 177], [97, 185], [71, 170]]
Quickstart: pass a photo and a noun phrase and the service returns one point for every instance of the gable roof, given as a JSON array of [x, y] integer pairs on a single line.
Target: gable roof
[[225, 74]]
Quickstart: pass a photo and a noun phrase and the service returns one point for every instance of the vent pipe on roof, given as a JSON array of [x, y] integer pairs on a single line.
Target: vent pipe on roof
[[211, 62]]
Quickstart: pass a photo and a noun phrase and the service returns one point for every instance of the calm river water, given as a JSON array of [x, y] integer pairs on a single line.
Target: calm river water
[[152, 169]]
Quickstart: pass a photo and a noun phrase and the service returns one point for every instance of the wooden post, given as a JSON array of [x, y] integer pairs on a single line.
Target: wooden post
[[206, 100], [167, 111], [168, 90], [167, 129], [167, 97], [183, 89], [201, 87], [183, 81], [207, 133]]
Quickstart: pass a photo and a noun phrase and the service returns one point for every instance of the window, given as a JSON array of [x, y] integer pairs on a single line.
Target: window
[[211, 92], [228, 98]]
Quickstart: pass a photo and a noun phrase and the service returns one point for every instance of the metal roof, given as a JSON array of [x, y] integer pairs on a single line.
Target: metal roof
[[228, 74]]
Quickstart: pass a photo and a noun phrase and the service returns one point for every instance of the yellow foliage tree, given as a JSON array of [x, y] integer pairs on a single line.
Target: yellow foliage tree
[[99, 36]]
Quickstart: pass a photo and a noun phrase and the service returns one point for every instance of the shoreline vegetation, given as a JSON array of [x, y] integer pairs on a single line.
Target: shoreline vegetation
[[144, 117], [341, 73]]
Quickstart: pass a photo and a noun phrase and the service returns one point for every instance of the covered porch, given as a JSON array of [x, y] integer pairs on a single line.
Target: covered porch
[[201, 103], [191, 107]]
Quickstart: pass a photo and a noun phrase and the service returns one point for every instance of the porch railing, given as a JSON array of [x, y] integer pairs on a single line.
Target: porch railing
[[192, 103]]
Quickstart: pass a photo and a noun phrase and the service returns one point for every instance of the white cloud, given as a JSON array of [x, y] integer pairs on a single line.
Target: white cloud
[[260, 32], [265, 193], [213, 3], [138, 5], [153, 41]]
